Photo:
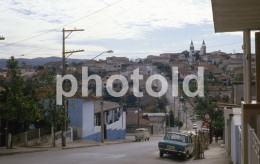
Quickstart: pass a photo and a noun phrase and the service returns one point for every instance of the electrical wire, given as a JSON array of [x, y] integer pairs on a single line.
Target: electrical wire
[[39, 35]]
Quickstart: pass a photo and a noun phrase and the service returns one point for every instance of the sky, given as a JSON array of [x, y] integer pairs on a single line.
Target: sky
[[131, 28]]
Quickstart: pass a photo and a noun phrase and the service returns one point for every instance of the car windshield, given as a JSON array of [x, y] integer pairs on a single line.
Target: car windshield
[[175, 137]]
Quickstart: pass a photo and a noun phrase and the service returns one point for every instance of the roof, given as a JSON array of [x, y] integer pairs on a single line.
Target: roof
[[108, 105], [236, 15], [142, 129], [184, 134]]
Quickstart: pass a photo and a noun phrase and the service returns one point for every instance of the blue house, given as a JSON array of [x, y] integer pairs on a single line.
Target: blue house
[[85, 120]]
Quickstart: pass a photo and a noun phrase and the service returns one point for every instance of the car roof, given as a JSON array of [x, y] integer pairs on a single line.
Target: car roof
[[184, 134], [141, 129]]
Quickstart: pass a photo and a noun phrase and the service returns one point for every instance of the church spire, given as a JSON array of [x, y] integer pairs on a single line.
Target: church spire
[[191, 46], [203, 43]]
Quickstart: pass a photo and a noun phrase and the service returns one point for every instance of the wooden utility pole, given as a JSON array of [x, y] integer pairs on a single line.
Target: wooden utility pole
[[64, 57], [102, 121], [6, 129]]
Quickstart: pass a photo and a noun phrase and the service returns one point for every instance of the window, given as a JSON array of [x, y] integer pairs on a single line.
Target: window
[[97, 119], [175, 137]]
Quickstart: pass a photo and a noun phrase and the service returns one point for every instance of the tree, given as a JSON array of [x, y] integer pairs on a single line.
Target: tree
[[54, 113], [197, 56], [131, 100], [162, 102], [205, 106], [171, 118], [19, 106], [186, 53]]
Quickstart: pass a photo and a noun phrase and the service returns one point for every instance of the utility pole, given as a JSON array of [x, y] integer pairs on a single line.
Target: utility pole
[[64, 57], [102, 120], [6, 129]]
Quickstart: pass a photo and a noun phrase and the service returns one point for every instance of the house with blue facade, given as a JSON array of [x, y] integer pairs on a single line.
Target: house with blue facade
[[85, 120]]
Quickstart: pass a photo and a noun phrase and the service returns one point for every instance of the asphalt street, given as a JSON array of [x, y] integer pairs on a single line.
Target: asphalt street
[[145, 152]]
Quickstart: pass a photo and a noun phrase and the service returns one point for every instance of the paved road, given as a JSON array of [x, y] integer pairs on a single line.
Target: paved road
[[145, 152]]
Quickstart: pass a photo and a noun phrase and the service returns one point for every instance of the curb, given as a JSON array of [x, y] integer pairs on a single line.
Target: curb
[[63, 148], [100, 144], [22, 152]]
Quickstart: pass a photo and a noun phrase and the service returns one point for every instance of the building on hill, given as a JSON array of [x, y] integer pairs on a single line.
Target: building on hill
[[202, 50]]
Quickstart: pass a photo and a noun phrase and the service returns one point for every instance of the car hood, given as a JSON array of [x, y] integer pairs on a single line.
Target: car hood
[[172, 142]]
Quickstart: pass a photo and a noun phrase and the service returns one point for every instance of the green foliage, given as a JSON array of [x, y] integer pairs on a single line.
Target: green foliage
[[225, 98], [186, 53], [131, 100], [20, 105], [239, 77], [171, 115], [162, 102], [154, 110], [197, 56], [108, 97], [180, 123]]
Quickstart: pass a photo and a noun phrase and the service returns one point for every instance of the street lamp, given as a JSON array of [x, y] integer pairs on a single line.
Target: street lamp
[[109, 52], [102, 104]]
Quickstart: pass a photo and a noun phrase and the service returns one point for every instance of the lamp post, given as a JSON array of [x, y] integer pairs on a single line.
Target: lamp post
[[102, 139]]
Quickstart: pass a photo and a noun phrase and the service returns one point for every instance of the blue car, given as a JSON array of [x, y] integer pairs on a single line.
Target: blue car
[[176, 143]]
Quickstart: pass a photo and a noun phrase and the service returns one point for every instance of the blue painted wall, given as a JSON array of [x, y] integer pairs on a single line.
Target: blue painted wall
[[111, 134], [75, 111]]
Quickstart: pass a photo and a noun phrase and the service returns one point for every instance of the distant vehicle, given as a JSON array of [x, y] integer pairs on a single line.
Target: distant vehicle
[[194, 126], [176, 143], [142, 134]]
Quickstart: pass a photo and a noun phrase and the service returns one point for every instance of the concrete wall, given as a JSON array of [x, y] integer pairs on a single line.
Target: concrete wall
[[235, 140], [88, 118], [75, 115]]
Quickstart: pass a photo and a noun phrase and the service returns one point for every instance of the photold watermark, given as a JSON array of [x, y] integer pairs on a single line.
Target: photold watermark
[[153, 80]]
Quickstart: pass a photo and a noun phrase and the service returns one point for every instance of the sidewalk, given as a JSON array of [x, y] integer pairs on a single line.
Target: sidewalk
[[72, 145], [216, 154]]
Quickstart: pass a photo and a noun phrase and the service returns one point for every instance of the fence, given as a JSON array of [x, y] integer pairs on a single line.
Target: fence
[[40, 136], [22, 138], [253, 146]]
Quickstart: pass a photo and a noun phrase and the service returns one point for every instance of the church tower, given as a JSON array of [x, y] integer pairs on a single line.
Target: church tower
[[203, 48], [191, 46]]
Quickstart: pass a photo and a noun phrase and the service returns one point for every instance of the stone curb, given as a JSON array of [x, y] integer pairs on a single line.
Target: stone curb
[[61, 148], [22, 152]]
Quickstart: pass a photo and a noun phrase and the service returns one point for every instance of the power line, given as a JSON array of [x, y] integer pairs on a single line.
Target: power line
[[63, 25]]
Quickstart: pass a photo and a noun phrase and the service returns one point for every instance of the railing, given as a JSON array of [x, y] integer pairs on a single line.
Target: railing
[[253, 146]]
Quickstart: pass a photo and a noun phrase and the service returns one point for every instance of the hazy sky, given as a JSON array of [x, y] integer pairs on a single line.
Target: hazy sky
[[132, 28]]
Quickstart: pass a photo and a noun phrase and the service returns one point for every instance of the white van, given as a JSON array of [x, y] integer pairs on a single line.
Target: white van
[[142, 134]]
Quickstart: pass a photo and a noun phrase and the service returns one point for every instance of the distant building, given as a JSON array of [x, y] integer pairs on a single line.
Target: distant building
[[53, 65], [119, 60], [202, 50]]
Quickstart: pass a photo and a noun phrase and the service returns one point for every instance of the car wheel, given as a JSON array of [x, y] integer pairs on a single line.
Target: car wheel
[[184, 157], [191, 155], [161, 154]]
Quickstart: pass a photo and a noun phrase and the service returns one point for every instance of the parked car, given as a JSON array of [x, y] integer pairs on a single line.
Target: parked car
[[142, 134], [195, 126], [177, 143]]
